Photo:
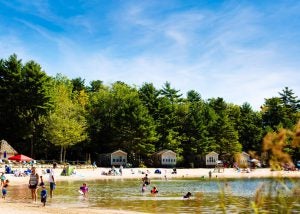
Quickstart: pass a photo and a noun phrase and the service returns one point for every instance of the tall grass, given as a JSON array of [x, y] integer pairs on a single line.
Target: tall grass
[[275, 196], [287, 198]]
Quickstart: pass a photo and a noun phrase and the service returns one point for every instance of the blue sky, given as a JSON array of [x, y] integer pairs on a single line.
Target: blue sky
[[243, 51]]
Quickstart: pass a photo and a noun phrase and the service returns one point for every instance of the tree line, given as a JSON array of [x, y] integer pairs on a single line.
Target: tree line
[[65, 119]]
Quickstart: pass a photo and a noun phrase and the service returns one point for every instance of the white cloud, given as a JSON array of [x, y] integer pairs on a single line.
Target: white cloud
[[225, 53], [223, 67]]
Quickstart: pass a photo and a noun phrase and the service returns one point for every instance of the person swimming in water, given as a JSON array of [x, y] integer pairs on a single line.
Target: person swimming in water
[[188, 195], [154, 190]]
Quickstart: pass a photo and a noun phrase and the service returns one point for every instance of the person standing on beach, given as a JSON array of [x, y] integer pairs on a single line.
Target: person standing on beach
[[52, 180], [3, 178], [33, 183], [94, 165], [121, 169], [44, 195], [4, 188]]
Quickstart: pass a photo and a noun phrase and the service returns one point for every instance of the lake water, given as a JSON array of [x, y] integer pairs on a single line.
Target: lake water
[[209, 196]]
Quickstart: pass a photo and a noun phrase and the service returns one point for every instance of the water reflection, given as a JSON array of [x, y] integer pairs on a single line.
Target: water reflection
[[209, 196]]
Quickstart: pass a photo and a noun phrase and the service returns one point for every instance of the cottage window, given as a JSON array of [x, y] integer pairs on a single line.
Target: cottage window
[[211, 160]]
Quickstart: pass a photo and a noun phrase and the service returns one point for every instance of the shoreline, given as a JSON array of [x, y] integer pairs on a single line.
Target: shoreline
[[89, 174], [27, 208], [139, 173]]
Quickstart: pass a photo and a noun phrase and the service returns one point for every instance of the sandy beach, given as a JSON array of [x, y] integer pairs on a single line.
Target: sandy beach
[[86, 174]]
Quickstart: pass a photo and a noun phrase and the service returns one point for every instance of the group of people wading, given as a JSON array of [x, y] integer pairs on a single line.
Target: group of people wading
[[154, 190], [146, 182], [36, 182]]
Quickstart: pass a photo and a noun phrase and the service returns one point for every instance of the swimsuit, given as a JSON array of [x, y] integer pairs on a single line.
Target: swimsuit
[[84, 189], [4, 191], [33, 181]]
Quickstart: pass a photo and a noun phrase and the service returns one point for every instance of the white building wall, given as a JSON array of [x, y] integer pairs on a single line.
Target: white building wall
[[168, 159], [211, 160]]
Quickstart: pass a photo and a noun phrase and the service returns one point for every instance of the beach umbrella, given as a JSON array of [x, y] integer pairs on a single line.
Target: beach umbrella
[[20, 157]]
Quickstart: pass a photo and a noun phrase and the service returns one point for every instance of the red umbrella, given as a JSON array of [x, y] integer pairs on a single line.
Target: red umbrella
[[20, 158]]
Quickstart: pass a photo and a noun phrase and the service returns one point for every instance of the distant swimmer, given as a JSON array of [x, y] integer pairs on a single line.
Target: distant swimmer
[[154, 190], [188, 195]]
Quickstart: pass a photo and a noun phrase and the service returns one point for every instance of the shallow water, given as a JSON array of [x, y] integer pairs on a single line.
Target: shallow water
[[209, 196]]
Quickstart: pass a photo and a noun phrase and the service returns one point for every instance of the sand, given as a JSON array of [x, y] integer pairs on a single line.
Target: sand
[[135, 173], [138, 173]]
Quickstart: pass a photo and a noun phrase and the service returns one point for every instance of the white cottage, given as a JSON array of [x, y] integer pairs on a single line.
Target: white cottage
[[165, 158], [211, 159], [116, 158]]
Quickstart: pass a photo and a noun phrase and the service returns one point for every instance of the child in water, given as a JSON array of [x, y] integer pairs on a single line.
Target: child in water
[[154, 190], [84, 189], [144, 187], [4, 188], [43, 195]]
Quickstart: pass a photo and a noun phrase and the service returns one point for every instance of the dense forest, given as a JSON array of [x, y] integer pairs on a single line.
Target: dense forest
[[57, 118]]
